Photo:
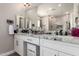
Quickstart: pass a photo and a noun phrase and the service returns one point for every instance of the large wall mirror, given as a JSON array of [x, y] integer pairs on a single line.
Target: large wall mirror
[[48, 17]]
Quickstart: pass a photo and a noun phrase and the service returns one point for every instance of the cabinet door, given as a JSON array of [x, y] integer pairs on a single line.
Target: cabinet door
[[48, 52], [18, 46]]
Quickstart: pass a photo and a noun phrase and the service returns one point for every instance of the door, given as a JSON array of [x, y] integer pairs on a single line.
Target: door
[[44, 51], [18, 46]]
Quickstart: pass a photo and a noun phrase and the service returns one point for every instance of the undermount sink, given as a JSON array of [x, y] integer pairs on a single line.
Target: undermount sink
[[51, 38]]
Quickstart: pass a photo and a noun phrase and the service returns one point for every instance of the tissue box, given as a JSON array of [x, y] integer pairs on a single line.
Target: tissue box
[[75, 32]]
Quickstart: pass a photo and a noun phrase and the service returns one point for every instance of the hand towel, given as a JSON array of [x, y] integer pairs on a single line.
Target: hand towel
[[11, 29]]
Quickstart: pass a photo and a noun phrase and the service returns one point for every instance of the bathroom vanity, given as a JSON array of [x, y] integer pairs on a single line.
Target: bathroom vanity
[[26, 45], [46, 45], [41, 21]]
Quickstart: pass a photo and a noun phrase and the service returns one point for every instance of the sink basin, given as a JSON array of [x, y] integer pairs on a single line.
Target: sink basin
[[48, 37]]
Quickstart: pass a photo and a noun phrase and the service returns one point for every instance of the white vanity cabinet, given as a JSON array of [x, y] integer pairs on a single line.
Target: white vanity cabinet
[[26, 45], [44, 51], [52, 48], [31, 46], [18, 45]]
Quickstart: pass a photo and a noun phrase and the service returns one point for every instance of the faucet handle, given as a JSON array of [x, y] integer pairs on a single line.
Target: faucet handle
[[55, 39]]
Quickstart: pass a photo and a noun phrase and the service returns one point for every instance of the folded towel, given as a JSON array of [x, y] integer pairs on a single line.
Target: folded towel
[[11, 29]]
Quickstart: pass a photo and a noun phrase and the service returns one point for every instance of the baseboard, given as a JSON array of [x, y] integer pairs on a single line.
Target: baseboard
[[7, 53]]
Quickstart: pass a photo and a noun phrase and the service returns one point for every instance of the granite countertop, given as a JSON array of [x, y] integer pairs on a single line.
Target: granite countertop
[[66, 39]]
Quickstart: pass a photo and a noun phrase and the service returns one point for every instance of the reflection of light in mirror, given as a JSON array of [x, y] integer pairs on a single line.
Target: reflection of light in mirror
[[38, 23], [50, 17], [50, 9], [19, 7], [30, 25], [67, 12], [28, 5], [59, 5]]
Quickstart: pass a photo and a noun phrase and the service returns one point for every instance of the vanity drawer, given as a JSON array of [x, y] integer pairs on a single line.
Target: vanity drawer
[[49, 44], [68, 48], [32, 40], [31, 47]]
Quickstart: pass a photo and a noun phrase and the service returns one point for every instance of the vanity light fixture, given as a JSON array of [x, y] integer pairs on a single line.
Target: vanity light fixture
[[50, 17], [28, 5]]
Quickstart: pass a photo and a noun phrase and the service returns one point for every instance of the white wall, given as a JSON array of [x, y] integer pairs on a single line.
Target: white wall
[[7, 11]]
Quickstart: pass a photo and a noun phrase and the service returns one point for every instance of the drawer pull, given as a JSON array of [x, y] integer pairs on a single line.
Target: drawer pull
[[31, 50], [55, 55]]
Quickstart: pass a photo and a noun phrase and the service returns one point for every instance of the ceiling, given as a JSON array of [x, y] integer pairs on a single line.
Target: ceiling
[[55, 9]]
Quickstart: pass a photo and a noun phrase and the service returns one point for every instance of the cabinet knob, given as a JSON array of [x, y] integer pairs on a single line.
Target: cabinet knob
[[55, 55], [55, 39]]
